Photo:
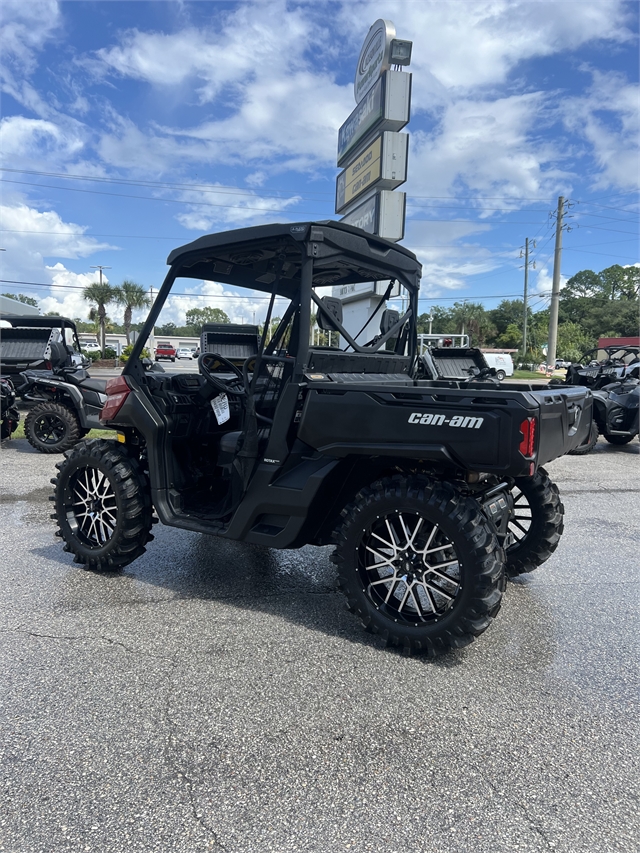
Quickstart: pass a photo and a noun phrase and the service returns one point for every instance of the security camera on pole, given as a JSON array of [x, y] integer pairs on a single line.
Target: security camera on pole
[[373, 157]]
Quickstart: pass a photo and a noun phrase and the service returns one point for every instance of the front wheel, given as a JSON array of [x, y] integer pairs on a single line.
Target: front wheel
[[536, 525], [102, 505], [419, 564], [51, 427]]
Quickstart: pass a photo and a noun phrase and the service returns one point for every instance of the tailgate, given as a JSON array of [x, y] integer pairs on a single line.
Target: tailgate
[[565, 420]]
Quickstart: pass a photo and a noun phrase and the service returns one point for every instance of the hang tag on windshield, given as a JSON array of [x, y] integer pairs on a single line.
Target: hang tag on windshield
[[220, 406]]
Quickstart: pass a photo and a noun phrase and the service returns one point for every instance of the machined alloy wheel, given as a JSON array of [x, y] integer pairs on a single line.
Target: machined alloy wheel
[[93, 513], [409, 567], [419, 564], [536, 525], [102, 505]]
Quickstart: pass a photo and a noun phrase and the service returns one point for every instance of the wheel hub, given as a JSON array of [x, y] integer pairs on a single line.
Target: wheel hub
[[410, 567]]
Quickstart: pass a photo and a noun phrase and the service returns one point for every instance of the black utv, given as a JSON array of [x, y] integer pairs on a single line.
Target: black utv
[[42, 357], [614, 381], [431, 491]]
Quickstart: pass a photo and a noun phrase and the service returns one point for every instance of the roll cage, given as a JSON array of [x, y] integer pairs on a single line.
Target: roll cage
[[291, 261]]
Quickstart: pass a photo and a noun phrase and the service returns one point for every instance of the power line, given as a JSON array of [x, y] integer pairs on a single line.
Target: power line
[[238, 190], [234, 296]]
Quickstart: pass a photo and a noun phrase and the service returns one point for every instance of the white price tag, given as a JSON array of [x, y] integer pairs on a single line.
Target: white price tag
[[220, 406]]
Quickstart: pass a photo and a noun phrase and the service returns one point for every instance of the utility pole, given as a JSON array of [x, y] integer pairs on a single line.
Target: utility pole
[[555, 292], [100, 267], [430, 322], [526, 290]]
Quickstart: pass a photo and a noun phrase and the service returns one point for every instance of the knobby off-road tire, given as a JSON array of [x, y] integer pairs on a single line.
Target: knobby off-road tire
[[588, 447], [618, 439], [6, 428], [419, 564], [537, 524], [102, 505], [51, 428]]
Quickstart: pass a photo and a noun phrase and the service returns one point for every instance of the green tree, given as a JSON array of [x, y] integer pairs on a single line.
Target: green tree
[[131, 295], [20, 297], [573, 341], [197, 317], [512, 337], [441, 321], [100, 295], [472, 319]]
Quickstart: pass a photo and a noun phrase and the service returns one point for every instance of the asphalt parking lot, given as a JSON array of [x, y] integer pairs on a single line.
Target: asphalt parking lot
[[220, 697]]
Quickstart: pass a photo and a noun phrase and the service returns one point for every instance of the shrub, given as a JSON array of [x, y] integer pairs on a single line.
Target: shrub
[[126, 352]]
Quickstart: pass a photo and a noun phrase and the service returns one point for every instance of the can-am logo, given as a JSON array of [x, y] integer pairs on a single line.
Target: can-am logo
[[432, 419]]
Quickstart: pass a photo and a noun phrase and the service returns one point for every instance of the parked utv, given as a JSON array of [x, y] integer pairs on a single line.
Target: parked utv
[[430, 490], [9, 415], [613, 381]]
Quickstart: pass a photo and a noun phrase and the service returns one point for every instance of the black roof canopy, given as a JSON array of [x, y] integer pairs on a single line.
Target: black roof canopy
[[258, 257]]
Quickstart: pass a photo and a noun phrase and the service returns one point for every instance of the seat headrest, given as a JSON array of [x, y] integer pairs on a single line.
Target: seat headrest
[[388, 320], [333, 308], [59, 355]]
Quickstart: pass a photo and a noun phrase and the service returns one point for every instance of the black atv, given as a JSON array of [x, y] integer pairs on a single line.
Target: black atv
[[431, 490], [67, 402], [613, 381], [9, 415]]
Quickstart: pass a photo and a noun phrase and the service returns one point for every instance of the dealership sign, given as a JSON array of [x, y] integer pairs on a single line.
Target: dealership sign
[[382, 164], [386, 106], [381, 213], [374, 57], [371, 152]]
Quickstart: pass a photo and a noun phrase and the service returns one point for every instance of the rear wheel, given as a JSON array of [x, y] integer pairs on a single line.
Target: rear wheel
[[102, 505], [588, 447], [536, 525], [500, 375], [618, 439], [51, 427], [419, 564]]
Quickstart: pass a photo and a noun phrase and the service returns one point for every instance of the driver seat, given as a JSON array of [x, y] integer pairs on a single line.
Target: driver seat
[[230, 445]]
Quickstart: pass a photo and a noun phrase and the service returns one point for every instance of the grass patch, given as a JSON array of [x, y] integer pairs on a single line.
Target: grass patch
[[529, 374], [94, 433]]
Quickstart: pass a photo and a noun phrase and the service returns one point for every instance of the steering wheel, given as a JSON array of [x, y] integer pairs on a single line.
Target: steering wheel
[[226, 387]]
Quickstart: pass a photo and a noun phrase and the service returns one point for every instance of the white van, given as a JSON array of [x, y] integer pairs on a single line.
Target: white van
[[502, 362]]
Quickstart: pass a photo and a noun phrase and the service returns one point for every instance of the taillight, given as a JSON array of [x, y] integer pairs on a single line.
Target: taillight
[[117, 391], [528, 433]]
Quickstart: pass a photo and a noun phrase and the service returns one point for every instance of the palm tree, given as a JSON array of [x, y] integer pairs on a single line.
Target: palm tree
[[131, 295], [100, 294]]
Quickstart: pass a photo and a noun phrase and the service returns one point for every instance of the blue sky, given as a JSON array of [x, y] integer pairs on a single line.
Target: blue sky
[[130, 128]]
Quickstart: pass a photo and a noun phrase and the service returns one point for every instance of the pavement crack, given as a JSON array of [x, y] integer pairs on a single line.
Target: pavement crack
[[533, 823], [109, 640]]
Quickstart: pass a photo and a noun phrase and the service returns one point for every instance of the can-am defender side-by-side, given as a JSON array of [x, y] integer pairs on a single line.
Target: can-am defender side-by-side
[[614, 382], [430, 490]]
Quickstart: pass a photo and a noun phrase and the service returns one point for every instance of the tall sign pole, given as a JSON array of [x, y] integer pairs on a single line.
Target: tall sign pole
[[371, 152], [555, 292]]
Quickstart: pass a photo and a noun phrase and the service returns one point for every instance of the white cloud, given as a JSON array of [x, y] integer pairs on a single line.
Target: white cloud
[[66, 292], [231, 208], [249, 306], [43, 234], [37, 139], [490, 147], [608, 118], [24, 29], [477, 43]]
